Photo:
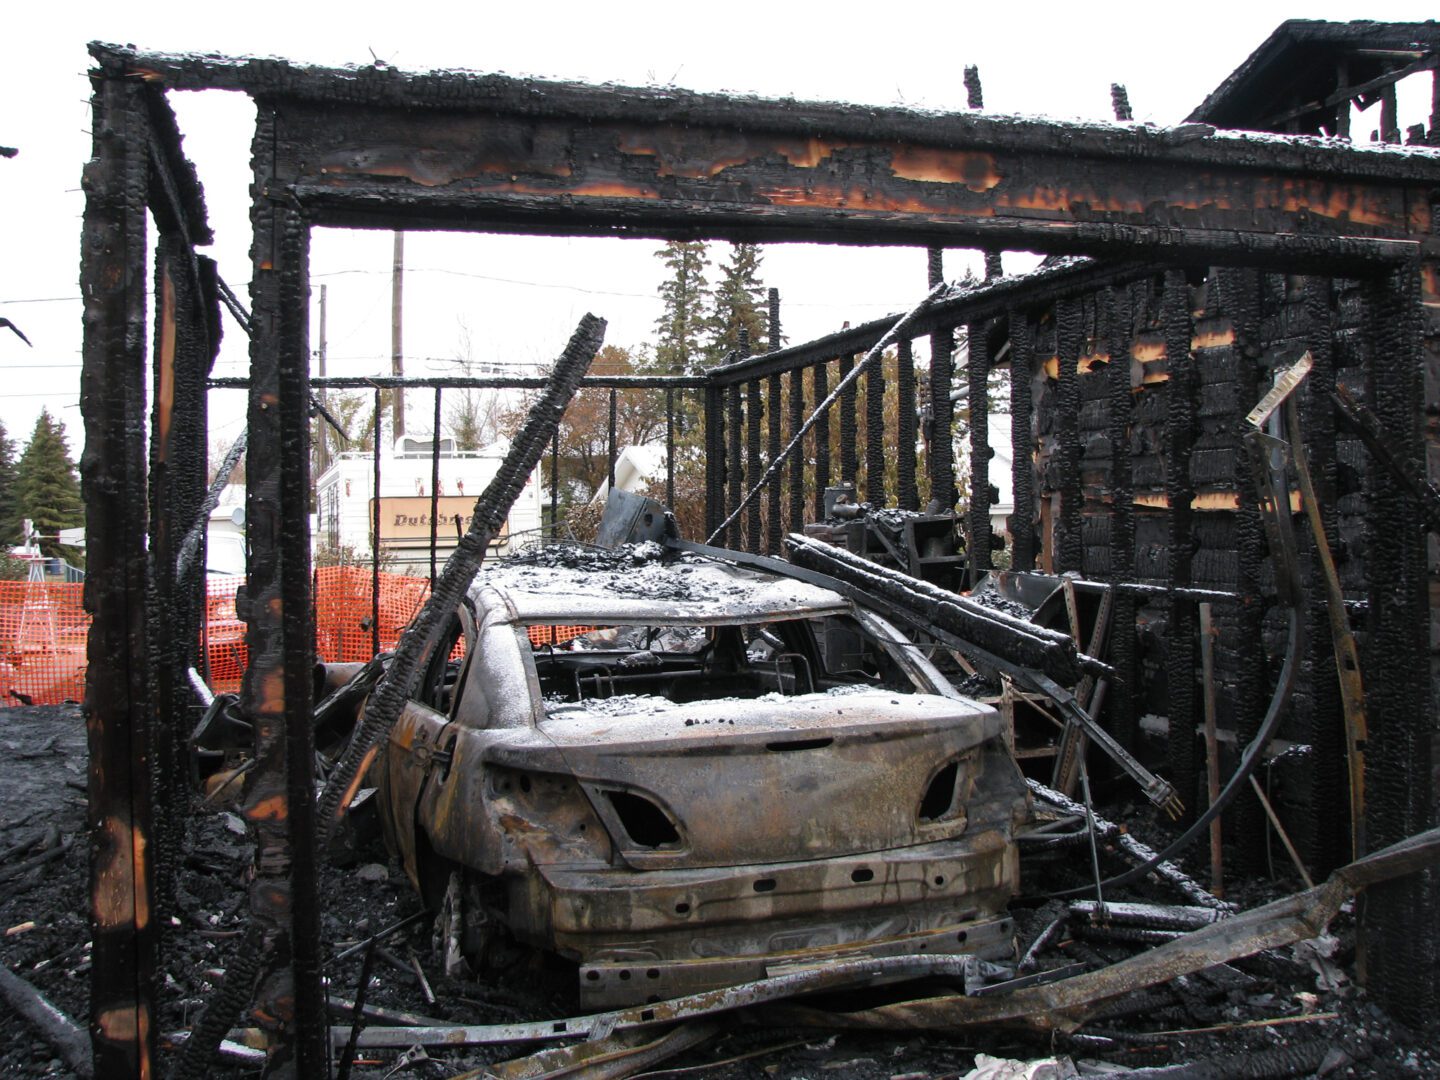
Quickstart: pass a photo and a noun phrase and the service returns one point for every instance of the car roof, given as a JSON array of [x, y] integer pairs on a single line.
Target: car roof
[[640, 583]]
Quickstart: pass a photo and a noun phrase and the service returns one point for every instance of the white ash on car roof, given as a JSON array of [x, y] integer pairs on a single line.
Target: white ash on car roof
[[639, 581]]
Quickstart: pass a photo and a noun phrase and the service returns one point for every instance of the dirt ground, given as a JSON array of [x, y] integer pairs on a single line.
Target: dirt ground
[[1328, 1029]]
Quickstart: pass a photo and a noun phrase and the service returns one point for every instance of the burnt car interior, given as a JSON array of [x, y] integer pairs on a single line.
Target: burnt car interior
[[680, 664]]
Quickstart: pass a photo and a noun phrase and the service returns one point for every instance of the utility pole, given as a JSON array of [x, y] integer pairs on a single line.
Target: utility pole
[[397, 349], [322, 449]]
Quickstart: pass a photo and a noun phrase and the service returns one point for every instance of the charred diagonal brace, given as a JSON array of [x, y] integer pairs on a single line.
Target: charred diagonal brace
[[823, 408], [190, 546], [1021, 650], [398, 681], [1367, 425]]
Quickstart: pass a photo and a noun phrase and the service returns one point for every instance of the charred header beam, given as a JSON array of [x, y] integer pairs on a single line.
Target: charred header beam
[[374, 147]]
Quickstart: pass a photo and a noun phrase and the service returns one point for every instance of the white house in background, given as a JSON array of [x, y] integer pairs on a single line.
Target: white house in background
[[345, 508], [635, 466]]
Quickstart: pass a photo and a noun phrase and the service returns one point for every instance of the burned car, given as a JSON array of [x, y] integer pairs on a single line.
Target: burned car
[[683, 774]]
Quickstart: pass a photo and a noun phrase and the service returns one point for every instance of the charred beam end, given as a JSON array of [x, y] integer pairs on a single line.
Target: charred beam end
[[1001, 635], [491, 508]]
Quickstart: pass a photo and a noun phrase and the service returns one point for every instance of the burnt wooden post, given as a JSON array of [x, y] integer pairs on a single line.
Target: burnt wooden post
[[941, 458], [1401, 957], [774, 413], [1068, 551], [797, 461], [1123, 712], [734, 464], [1240, 299], [184, 350], [820, 385], [716, 461], [670, 447], [849, 433], [117, 684], [875, 447], [977, 373], [753, 467], [1022, 441], [907, 495], [1325, 835], [276, 694], [1181, 630]]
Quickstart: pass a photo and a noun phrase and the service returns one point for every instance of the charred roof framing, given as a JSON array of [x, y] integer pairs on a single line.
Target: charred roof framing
[[374, 147]]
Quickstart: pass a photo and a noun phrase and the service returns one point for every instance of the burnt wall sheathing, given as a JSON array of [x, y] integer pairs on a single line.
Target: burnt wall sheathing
[[1228, 329]]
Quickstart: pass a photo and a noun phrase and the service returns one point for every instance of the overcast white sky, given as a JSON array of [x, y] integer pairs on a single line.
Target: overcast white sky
[[516, 299]]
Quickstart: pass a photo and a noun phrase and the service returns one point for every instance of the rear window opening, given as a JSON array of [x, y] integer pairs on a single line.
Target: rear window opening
[[682, 664]]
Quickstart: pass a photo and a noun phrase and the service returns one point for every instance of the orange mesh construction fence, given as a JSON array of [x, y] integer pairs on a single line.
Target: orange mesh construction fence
[[43, 629]]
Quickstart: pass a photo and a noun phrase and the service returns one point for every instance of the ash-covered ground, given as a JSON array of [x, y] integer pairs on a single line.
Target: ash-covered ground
[[45, 940]]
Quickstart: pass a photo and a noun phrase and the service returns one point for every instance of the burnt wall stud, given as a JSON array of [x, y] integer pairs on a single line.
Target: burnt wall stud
[[1022, 441], [876, 448], [797, 461], [977, 373], [1182, 658], [820, 381], [774, 414], [754, 410], [735, 464], [1123, 712], [277, 689], [1403, 966], [1240, 299], [112, 476], [849, 426], [1068, 542], [1326, 830], [716, 462], [907, 495], [941, 456]]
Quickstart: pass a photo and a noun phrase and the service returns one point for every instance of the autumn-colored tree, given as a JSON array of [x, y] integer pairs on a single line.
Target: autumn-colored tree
[[585, 428]]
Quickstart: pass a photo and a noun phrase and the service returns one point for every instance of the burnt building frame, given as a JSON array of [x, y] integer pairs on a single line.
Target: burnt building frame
[[1348, 231]]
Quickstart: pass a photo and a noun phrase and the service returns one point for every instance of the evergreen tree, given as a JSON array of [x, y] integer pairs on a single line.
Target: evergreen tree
[[678, 349], [739, 302], [47, 489], [9, 519]]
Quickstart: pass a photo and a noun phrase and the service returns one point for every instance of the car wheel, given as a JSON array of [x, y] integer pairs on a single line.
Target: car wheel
[[469, 936]]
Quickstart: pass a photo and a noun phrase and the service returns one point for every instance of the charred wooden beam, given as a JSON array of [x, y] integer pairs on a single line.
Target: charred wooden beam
[[977, 374], [117, 683], [380, 148]]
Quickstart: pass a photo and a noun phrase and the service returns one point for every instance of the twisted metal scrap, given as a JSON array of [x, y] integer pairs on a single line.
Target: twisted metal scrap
[[398, 682]]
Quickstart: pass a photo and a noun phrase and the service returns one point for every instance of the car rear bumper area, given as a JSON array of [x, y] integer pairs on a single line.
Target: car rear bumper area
[[618, 984], [641, 935]]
